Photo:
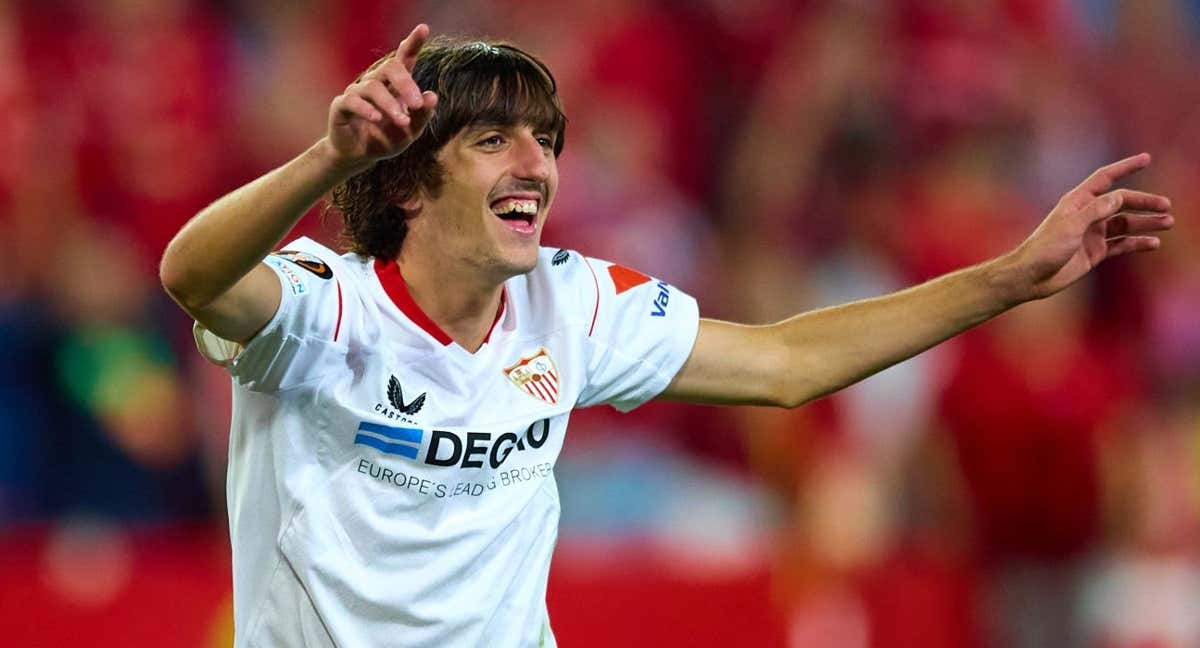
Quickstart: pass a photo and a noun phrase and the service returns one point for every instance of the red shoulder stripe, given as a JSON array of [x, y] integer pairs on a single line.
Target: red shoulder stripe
[[337, 329], [596, 283]]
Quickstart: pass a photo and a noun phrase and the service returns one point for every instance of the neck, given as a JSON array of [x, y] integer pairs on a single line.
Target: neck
[[461, 302]]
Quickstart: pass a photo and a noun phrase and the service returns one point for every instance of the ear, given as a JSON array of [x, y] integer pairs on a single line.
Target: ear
[[413, 205]]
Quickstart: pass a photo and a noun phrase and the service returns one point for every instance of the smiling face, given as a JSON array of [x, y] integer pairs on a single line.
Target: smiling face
[[497, 185], [498, 126]]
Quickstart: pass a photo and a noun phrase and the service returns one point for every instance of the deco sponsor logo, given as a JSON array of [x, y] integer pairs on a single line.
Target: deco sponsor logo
[[389, 439], [448, 449]]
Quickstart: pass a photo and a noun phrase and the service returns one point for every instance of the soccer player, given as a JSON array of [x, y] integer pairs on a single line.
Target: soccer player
[[398, 410]]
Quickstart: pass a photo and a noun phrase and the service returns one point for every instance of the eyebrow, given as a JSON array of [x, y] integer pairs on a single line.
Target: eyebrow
[[485, 124], [488, 124]]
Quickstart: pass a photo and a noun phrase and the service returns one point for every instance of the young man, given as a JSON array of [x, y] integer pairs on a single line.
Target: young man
[[398, 410]]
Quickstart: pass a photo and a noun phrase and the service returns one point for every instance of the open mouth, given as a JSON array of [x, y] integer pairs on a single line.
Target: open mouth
[[520, 214]]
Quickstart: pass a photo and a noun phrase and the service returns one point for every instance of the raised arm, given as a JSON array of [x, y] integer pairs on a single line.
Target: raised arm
[[212, 267], [807, 356]]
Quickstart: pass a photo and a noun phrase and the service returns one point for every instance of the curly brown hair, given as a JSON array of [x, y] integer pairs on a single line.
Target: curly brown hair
[[476, 82]]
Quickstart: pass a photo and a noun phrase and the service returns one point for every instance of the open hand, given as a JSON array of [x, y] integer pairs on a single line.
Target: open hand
[[380, 115], [1091, 224]]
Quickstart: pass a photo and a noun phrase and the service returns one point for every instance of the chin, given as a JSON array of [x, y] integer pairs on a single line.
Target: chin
[[516, 263], [525, 265]]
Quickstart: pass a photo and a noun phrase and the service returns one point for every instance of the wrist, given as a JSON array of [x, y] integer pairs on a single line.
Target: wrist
[[332, 163], [1007, 281]]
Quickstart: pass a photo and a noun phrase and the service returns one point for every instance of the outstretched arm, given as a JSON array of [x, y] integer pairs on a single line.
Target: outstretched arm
[[212, 267], [807, 356]]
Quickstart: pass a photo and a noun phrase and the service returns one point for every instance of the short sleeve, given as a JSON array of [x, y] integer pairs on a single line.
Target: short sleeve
[[282, 354], [643, 333]]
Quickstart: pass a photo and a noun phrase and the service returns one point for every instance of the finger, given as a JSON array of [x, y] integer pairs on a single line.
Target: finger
[[1141, 201], [1126, 223], [380, 97], [402, 86], [411, 46], [352, 105], [1106, 176], [1112, 202], [422, 115], [1127, 244]]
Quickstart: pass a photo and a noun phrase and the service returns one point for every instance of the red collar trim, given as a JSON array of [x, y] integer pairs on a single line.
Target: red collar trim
[[393, 284]]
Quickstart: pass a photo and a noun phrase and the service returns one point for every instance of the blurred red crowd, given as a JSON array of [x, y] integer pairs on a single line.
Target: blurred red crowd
[[1031, 483]]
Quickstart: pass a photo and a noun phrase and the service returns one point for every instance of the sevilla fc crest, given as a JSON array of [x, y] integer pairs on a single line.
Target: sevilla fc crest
[[536, 376]]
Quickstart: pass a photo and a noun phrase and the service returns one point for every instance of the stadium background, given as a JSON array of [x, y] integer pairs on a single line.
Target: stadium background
[[1032, 483]]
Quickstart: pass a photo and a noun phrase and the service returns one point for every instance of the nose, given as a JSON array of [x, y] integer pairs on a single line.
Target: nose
[[532, 160]]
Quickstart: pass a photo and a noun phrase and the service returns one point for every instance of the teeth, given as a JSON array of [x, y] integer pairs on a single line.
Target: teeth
[[519, 206]]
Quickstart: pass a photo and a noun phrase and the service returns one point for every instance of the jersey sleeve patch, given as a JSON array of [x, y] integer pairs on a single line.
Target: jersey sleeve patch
[[643, 332], [625, 278], [297, 284], [307, 261]]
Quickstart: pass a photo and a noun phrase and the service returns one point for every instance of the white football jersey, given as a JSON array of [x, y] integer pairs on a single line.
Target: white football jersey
[[387, 487]]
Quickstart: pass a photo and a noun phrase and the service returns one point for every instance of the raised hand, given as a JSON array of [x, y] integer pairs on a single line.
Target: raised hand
[[1090, 224], [380, 115]]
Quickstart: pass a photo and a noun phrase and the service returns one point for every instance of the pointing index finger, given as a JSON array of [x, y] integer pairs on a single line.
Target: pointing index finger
[[1106, 176], [411, 46]]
